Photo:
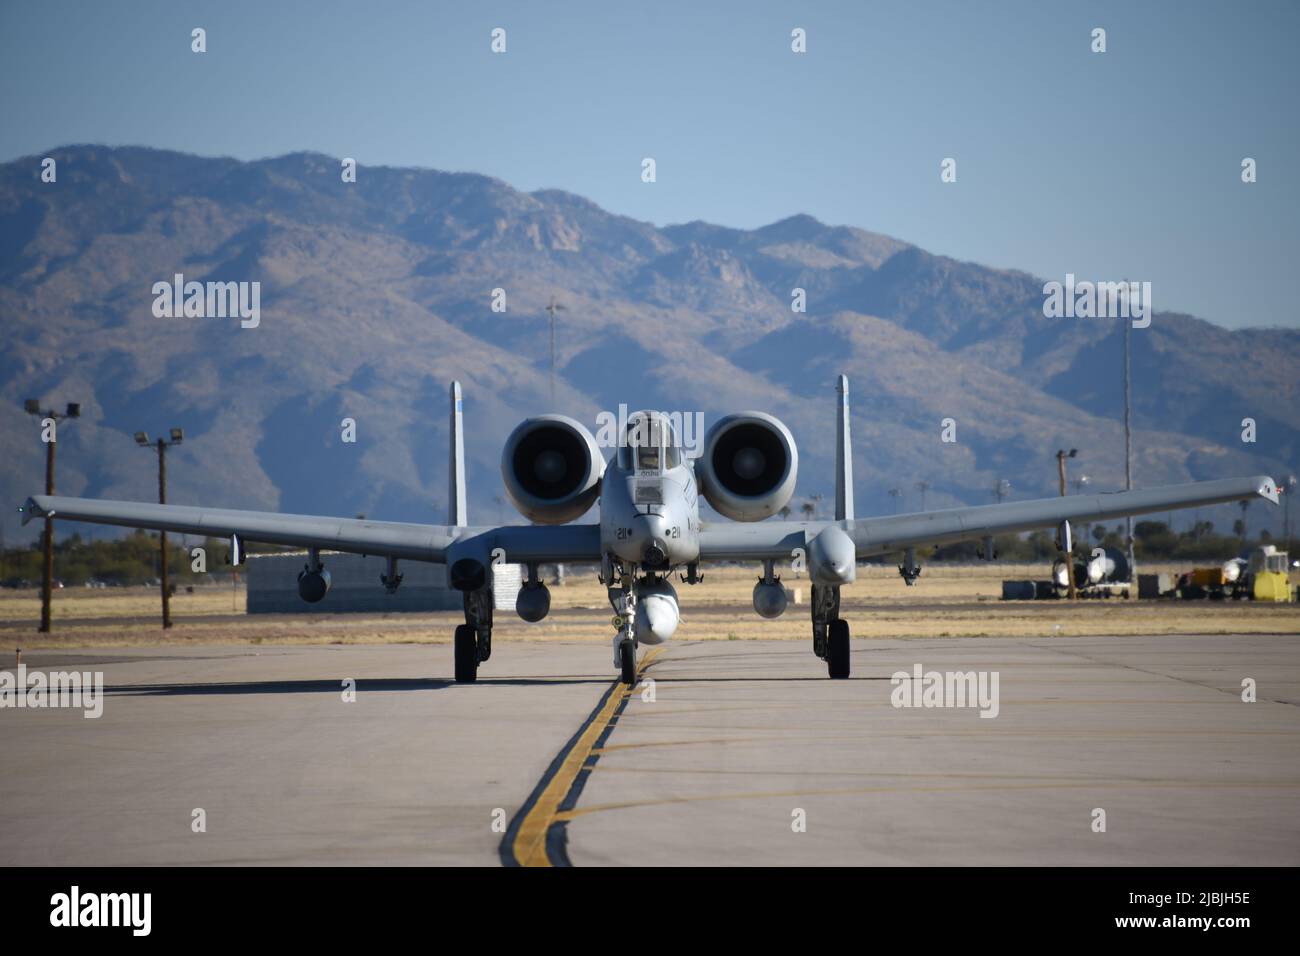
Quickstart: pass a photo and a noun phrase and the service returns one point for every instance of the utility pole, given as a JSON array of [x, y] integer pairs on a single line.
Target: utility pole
[[552, 309], [161, 446], [49, 421], [1128, 451], [1061, 455]]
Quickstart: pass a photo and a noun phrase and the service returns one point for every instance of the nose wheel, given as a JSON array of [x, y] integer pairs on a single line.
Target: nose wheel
[[623, 598], [627, 662]]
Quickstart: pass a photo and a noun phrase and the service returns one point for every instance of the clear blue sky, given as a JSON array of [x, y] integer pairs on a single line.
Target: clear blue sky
[[1115, 165]]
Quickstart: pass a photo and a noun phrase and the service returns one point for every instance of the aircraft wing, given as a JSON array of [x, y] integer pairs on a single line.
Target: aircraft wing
[[883, 535], [417, 542]]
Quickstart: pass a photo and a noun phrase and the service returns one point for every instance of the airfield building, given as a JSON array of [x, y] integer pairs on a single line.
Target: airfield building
[[273, 586]]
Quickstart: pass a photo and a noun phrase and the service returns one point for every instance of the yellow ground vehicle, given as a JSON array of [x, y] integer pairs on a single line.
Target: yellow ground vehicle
[[1269, 573]]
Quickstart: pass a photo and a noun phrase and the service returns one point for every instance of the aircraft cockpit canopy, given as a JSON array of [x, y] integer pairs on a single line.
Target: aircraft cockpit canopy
[[649, 442]]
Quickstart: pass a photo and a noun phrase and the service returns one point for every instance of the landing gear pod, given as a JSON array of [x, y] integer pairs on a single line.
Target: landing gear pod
[[832, 558]]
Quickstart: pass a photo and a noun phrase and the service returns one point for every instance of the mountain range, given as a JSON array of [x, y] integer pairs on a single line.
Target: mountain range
[[376, 294]]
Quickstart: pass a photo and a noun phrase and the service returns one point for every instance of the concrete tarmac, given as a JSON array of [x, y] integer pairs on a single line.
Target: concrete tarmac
[[739, 753]]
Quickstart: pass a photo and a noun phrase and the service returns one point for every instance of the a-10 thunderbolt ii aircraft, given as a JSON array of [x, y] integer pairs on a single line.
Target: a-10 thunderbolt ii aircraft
[[648, 495]]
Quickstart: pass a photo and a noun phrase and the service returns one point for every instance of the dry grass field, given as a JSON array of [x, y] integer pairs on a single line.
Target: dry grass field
[[948, 601]]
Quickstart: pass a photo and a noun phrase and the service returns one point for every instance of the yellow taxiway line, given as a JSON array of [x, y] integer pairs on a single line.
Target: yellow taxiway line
[[526, 843]]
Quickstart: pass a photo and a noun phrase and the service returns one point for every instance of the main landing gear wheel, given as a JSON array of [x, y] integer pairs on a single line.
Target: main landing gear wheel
[[466, 654], [627, 662], [837, 650]]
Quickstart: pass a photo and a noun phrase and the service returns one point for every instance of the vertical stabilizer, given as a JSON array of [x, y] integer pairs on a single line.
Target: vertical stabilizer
[[843, 455], [457, 513]]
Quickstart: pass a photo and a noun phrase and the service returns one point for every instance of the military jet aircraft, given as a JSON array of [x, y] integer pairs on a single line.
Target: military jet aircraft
[[648, 495]]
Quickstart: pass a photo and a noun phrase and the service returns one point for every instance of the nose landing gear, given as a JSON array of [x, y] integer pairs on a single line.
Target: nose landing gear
[[623, 600]]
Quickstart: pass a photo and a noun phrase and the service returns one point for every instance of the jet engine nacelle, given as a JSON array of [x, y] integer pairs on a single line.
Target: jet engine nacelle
[[748, 468], [313, 585], [552, 469]]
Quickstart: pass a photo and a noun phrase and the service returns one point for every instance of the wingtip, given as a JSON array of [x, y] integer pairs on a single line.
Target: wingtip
[[30, 510], [1267, 488]]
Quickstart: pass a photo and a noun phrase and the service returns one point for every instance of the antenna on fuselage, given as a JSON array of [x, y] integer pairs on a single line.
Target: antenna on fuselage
[[843, 455], [457, 512]]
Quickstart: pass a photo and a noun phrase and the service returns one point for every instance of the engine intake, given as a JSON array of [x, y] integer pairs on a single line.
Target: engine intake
[[749, 466], [552, 468]]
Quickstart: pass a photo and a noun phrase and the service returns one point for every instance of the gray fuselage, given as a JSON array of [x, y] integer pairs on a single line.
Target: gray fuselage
[[649, 508]]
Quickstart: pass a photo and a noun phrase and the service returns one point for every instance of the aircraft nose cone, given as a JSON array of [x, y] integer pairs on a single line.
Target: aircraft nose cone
[[649, 525], [651, 535]]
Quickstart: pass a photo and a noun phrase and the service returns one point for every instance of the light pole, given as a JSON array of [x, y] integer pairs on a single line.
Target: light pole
[[1079, 484], [73, 410], [161, 446], [1001, 488], [1061, 455], [897, 495], [923, 486], [1290, 493]]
